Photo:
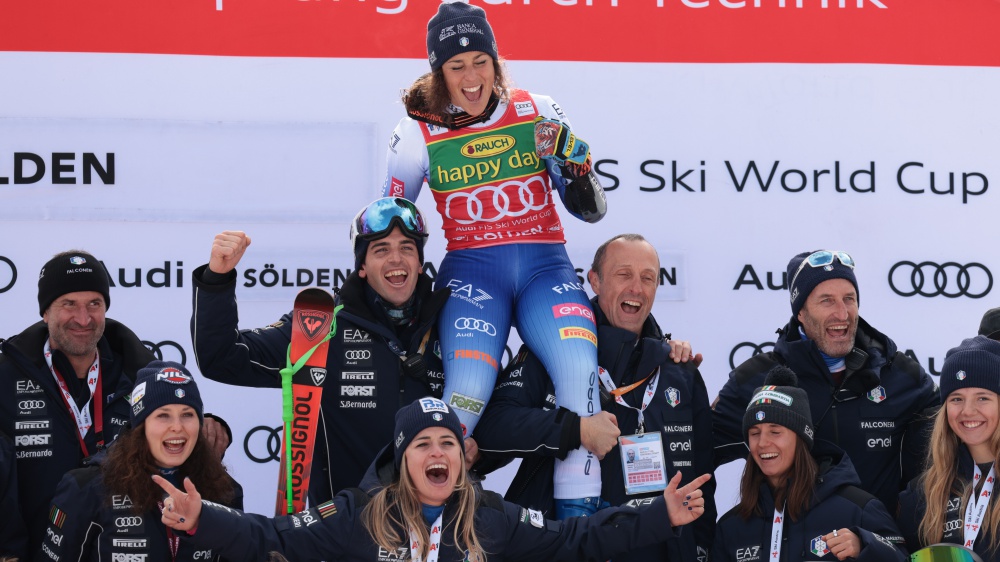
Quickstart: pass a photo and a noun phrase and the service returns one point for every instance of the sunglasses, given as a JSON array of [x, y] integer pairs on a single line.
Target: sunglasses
[[822, 258]]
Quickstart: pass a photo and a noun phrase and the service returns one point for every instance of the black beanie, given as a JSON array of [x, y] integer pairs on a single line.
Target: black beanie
[[418, 416], [70, 272], [457, 28], [780, 401], [975, 363], [990, 324], [809, 277], [162, 383]]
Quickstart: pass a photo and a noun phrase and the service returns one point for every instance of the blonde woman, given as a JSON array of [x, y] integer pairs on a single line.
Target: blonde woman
[[952, 502], [418, 504]]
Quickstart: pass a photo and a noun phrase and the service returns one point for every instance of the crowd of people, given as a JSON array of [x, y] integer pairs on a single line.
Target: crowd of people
[[852, 451]]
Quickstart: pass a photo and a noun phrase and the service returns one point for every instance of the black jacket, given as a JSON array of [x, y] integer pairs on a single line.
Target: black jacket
[[913, 504], [521, 420], [366, 384], [506, 531], [880, 413], [13, 535], [837, 503], [86, 524], [33, 412]]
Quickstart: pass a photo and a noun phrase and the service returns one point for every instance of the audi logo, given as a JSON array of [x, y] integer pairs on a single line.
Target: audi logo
[[949, 279], [271, 444], [754, 348], [30, 404], [497, 199], [128, 521], [358, 354], [13, 274], [159, 348], [475, 324]]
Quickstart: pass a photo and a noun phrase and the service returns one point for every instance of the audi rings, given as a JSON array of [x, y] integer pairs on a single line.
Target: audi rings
[[477, 325], [949, 279], [271, 444], [500, 204], [6, 263], [158, 349], [755, 349]]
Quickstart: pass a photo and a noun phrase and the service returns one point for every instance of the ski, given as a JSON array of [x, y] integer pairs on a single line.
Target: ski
[[313, 324]]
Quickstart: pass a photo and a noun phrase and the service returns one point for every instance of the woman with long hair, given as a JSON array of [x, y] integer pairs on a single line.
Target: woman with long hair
[[952, 501], [493, 157], [417, 503], [110, 509], [798, 502]]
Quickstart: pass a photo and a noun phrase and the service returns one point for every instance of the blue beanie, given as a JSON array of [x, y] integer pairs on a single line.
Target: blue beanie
[[975, 363], [809, 277], [418, 416], [457, 28], [162, 383]]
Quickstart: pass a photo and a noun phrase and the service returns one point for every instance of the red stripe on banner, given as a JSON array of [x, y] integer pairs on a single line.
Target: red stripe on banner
[[926, 32]]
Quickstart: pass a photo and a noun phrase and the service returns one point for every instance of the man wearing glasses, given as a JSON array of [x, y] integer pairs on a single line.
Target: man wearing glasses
[[383, 355], [866, 397]]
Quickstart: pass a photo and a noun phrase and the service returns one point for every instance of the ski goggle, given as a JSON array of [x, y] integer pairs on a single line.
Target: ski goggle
[[822, 258], [379, 218]]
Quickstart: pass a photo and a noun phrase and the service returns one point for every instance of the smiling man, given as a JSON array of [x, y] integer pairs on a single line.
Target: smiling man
[[866, 396], [654, 421], [385, 352], [61, 384]]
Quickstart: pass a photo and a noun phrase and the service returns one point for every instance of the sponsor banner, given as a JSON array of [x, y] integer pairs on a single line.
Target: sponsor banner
[[100, 169], [925, 32]]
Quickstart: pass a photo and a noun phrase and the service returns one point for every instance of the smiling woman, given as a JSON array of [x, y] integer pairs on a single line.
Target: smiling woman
[[417, 503], [953, 501], [493, 157], [111, 507], [806, 496]]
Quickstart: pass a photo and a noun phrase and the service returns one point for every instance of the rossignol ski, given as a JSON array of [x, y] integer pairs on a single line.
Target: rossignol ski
[[314, 322]]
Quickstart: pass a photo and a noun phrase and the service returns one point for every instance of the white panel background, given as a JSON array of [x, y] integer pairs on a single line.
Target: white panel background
[[289, 149]]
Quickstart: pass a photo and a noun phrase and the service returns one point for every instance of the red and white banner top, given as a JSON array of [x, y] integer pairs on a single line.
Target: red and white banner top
[[918, 32]]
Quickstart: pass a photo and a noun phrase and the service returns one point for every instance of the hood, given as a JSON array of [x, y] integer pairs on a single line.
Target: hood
[[835, 470]]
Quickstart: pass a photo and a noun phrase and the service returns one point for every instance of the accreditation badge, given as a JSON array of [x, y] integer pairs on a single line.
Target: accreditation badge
[[643, 462]]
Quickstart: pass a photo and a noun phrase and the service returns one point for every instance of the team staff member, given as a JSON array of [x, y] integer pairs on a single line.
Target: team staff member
[[797, 501], [670, 397], [954, 501], [492, 171], [64, 382], [109, 510], [867, 397], [418, 503], [372, 365]]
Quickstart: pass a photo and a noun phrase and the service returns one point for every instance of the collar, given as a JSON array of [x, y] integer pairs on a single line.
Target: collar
[[455, 121]]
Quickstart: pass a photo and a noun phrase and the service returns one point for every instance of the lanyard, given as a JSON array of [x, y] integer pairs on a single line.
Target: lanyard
[[82, 416], [777, 527], [435, 542], [976, 510], [173, 541], [647, 397]]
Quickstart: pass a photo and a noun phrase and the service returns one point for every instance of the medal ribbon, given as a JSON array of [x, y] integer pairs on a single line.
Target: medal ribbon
[[435, 542]]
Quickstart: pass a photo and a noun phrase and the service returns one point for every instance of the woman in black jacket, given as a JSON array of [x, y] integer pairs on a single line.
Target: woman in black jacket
[[418, 503], [109, 510], [797, 503], [952, 502]]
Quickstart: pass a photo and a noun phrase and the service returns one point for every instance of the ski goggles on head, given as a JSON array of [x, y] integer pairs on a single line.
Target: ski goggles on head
[[823, 258], [379, 218]]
